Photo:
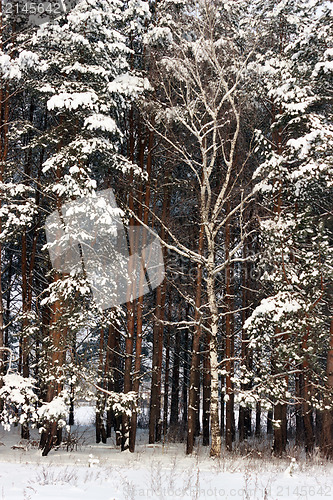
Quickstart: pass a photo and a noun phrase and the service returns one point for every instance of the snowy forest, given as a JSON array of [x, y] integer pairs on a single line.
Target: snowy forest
[[209, 122]]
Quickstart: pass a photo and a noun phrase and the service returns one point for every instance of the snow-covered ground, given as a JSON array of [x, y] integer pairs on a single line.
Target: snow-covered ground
[[153, 472]]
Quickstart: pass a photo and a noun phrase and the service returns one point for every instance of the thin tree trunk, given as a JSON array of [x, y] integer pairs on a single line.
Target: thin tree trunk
[[155, 427], [193, 410], [298, 412], [129, 342], [197, 416], [228, 341], [269, 428], [108, 376], [114, 378], [222, 410], [167, 373], [128, 368], [166, 385], [4, 112], [326, 444], [100, 403], [306, 407], [206, 393], [318, 427], [139, 302], [158, 431], [215, 450], [174, 408], [139, 312], [27, 281], [258, 419], [185, 374], [25, 323], [244, 422], [280, 415], [8, 303]]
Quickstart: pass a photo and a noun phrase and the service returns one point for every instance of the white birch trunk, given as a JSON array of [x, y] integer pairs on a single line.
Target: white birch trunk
[[215, 450]]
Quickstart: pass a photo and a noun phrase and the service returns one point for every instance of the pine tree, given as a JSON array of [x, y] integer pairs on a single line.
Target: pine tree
[[289, 329], [87, 89]]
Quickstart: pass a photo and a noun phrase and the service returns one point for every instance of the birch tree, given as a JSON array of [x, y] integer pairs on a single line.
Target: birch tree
[[198, 117]]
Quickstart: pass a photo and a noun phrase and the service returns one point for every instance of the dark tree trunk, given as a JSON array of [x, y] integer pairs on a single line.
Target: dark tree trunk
[[193, 422], [222, 423], [228, 340], [4, 116], [139, 323], [100, 401], [155, 422], [71, 408], [185, 375], [55, 361], [174, 410], [244, 422], [258, 420], [158, 429], [299, 433], [269, 422], [129, 341], [307, 411], [308, 427], [100, 428], [280, 432], [318, 426], [326, 445], [197, 416], [167, 374], [206, 393]]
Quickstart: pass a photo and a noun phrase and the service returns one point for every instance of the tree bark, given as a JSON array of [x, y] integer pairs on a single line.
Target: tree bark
[[228, 338], [139, 311], [129, 341], [49, 436], [4, 115], [269, 426], [155, 423], [326, 445], [244, 421], [206, 393], [306, 406], [57, 333], [258, 420], [114, 379], [185, 373], [167, 374], [174, 409], [280, 431], [100, 402], [298, 411], [215, 450], [193, 410]]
